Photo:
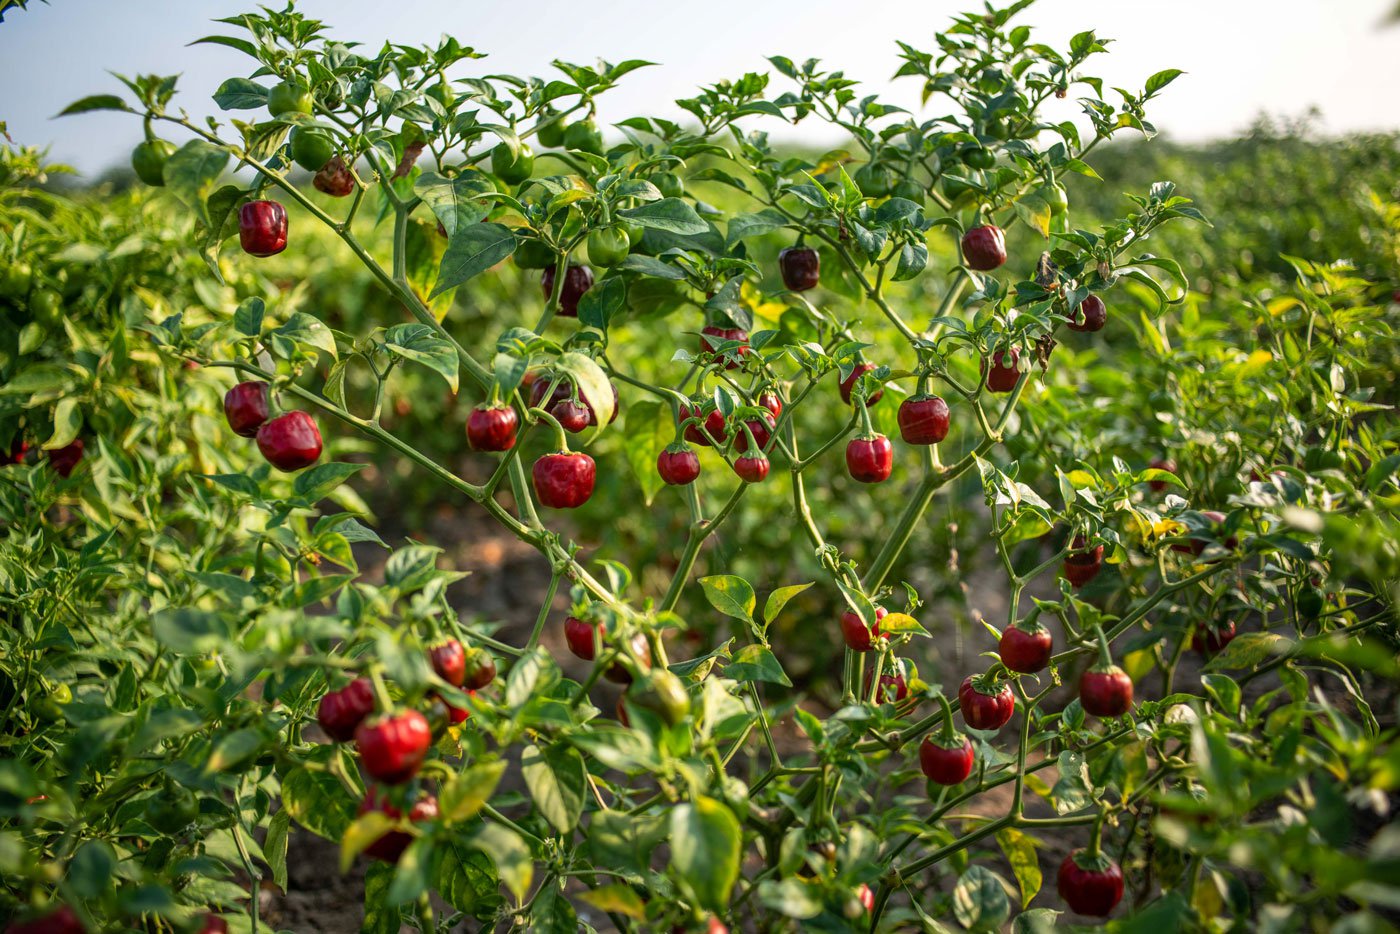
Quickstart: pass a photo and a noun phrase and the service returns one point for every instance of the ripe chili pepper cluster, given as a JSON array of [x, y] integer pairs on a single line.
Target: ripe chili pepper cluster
[[288, 442], [393, 741]]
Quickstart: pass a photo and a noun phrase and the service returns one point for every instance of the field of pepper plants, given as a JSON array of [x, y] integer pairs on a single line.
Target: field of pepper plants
[[434, 501]]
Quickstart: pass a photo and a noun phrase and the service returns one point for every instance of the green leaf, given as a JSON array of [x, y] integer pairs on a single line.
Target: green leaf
[[313, 590], [651, 266], [1082, 168], [793, 898], [779, 599], [188, 631], [913, 259], [411, 873], [810, 725], [648, 429], [240, 94], [1163, 301], [1225, 690], [457, 202], [238, 482], [1160, 80], [95, 102], [602, 302], [557, 779], [248, 317], [756, 663], [510, 854], [1025, 865], [705, 841], [1040, 921], [979, 900], [222, 208], [436, 353], [466, 880], [1249, 650], [753, 225], [669, 214], [1381, 471], [464, 795], [730, 595], [303, 330], [336, 548], [242, 45], [316, 801], [234, 749], [552, 913], [530, 675], [1073, 790], [90, 870], [623, 841], [474, 249], [43, 382], [275, 847], [191, 173], [67, 422], [1033, 210], [1155, 474], [315, 484], [381, 917], [163, 725]]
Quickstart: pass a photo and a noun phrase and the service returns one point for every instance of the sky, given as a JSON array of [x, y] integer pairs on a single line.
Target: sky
[[1242, 57]]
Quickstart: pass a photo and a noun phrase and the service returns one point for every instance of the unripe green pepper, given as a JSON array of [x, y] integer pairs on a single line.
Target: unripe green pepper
[[873, 180], [669, 184], [512, 168], [608, 246], [148, 160], [311, 148], [909, 190], [584, 136], [289, 97], [551, 130], [635, 232], [172, 809], [979, 158]]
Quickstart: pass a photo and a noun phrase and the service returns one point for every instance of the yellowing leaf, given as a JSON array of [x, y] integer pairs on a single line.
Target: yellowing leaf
[[617, 897], [901, 622], [1257, 361], [366, 829], [1080, 479], [1020, 853], [464, 795]]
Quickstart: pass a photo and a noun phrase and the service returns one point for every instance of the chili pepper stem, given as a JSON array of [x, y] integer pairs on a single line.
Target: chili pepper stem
[[1096, 835], [946, 731], [560, 435], [1105, 657], [381, 691]]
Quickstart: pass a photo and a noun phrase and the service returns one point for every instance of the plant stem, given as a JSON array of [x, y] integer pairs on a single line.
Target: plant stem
[[699, 531], [545, 607]]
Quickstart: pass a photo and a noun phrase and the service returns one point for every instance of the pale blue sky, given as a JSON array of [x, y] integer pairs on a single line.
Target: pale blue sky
[[1242, 56]]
